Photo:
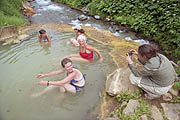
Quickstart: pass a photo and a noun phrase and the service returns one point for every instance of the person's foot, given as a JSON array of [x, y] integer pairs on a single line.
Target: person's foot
[[35, 95], [148, 97]]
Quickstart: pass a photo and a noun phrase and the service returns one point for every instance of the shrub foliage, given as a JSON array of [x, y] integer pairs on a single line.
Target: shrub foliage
[[10, 13]]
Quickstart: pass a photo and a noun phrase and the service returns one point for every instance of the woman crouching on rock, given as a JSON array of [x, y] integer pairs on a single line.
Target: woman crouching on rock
[[156, 76]]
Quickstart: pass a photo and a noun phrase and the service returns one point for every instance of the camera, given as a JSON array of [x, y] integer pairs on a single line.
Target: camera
[[130, 53]]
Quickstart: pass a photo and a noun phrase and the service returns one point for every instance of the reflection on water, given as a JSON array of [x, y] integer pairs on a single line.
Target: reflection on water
[[21, 63], [46, 47]]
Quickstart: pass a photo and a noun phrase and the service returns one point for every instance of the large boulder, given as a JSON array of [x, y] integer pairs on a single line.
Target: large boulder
[[27, 10], [8, 32], [118, 82]]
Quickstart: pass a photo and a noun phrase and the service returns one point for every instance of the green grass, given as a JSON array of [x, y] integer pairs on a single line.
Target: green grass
[[10, 13], [125, 96]]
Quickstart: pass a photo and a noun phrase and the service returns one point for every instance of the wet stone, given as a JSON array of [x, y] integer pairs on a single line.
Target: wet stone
[[97, 17], [107, 20], [110, 118], [82, 17], [85, 11]]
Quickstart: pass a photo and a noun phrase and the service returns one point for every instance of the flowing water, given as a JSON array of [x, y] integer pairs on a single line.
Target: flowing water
[[21, 63]]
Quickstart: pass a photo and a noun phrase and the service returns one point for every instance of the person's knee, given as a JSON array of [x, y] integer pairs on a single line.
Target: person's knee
[[134, 80], [70, 88], [62, 89]]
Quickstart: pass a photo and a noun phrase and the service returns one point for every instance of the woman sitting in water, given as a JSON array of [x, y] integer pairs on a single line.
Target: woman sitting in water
[[86, 51], [74, 81], [43, 36], [78, 31]]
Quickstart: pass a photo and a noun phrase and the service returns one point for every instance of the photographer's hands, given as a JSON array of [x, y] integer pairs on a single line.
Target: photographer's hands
[[134, 51], [128, 58]]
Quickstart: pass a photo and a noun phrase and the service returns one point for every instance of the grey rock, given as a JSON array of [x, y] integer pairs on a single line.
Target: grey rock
[[85, 11], [118, 81], [156, 114], [174, 92], [113, 23], [171, 110], [131, 107], [82, 17], [107, 20], [97, 17]]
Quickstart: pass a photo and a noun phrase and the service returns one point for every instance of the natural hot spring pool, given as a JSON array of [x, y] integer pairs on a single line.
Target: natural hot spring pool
[[21, 63]]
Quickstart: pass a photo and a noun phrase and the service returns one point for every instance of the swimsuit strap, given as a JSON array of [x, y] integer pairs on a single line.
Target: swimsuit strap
[[83, 76]]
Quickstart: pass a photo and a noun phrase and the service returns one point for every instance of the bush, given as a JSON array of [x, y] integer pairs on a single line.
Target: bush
[[10, 13]]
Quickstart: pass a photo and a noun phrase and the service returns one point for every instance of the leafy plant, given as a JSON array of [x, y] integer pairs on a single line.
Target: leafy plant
[[10, 13], [126, 96]]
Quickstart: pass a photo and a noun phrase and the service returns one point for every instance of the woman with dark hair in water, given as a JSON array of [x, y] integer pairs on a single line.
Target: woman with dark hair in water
[[43, 36], [156, 76]]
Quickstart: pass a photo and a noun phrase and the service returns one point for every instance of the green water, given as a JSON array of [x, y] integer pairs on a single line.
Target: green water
[[21, 63]]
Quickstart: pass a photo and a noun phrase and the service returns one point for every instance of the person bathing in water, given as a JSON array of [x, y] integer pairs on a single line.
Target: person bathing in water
[[86, 51], [43, 36], [78, 32], [73, 82]]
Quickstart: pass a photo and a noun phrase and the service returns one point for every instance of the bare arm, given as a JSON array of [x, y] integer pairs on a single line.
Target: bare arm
[[95, 50], [48, 38], [59, 83], [64, 81], [50, 74], [39, 38]]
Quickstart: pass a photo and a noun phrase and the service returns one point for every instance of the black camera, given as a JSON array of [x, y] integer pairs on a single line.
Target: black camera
[[130, 53]]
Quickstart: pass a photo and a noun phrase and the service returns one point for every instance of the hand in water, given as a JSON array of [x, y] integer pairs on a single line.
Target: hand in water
[[40, 75], [101, 59]]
